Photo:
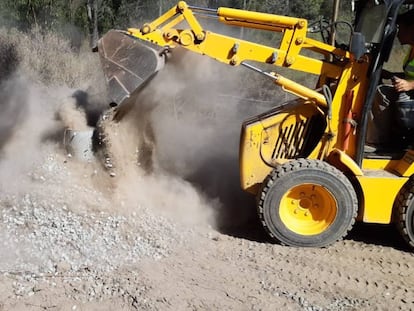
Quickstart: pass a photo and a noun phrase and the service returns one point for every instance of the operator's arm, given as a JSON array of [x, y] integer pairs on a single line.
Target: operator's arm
[[402, 85]]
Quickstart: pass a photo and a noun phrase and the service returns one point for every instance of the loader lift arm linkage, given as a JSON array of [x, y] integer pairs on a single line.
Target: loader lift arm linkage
[[233, 51], [303, 159]]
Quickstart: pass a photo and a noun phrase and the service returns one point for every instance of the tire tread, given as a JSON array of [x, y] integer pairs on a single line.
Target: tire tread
[[299, 164]]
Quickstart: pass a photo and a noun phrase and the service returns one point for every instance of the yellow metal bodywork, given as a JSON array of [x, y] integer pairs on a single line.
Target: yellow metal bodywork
[[379, 194], [308, 209], [378, 182], [234, 51], [349, 73], [270, 139], [344, 162], [279, 135], [405, 166]]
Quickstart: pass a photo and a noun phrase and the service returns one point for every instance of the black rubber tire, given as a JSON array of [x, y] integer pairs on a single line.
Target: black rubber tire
[[304, 172], [404, 212]]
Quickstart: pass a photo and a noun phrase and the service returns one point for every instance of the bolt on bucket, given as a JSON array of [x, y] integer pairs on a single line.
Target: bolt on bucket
[[128, 63]]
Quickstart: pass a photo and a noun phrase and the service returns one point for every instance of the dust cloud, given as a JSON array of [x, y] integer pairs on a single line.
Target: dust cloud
[[12, 105], [184, 130], [187, 123], [30, 130], [198, 133], [174, 157]]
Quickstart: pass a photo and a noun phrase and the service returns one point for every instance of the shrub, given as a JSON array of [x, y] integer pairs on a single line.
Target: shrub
[[9, 58], [48, 57]]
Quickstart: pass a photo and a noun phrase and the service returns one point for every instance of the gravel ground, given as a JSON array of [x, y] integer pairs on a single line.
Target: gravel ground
[[59, 236], [64, 248], [74, 238]]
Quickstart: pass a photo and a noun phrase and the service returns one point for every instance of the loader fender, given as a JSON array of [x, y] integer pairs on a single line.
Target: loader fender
[[344, 162]]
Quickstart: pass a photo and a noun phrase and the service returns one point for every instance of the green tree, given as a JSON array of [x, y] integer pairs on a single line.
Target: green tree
[[41, 13], [309, 9], [95, 17]]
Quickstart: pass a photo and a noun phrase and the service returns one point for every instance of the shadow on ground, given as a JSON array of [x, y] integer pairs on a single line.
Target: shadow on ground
[[218, 178], [381, 235]]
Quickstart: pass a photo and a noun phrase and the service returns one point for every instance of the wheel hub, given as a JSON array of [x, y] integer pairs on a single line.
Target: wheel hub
[[308, 209]]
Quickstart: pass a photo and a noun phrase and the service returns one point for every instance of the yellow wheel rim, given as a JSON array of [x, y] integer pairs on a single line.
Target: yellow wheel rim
[[308, 209]]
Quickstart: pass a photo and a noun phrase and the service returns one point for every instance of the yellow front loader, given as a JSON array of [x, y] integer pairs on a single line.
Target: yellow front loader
[[304, 159]]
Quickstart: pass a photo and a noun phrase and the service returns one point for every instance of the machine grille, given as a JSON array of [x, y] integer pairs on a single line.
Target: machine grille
[[291, 140]]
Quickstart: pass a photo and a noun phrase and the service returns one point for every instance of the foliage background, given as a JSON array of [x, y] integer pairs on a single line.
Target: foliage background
[[76, 17]]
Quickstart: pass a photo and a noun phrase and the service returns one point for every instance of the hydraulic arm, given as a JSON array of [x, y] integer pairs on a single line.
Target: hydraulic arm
[[304, 159], [233, 51]]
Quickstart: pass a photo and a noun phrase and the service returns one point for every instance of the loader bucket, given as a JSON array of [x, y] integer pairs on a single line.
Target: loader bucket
[[128, 63]]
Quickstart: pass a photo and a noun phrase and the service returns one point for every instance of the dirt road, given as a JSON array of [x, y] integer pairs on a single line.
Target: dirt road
[[181, 238], [67, 246]]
